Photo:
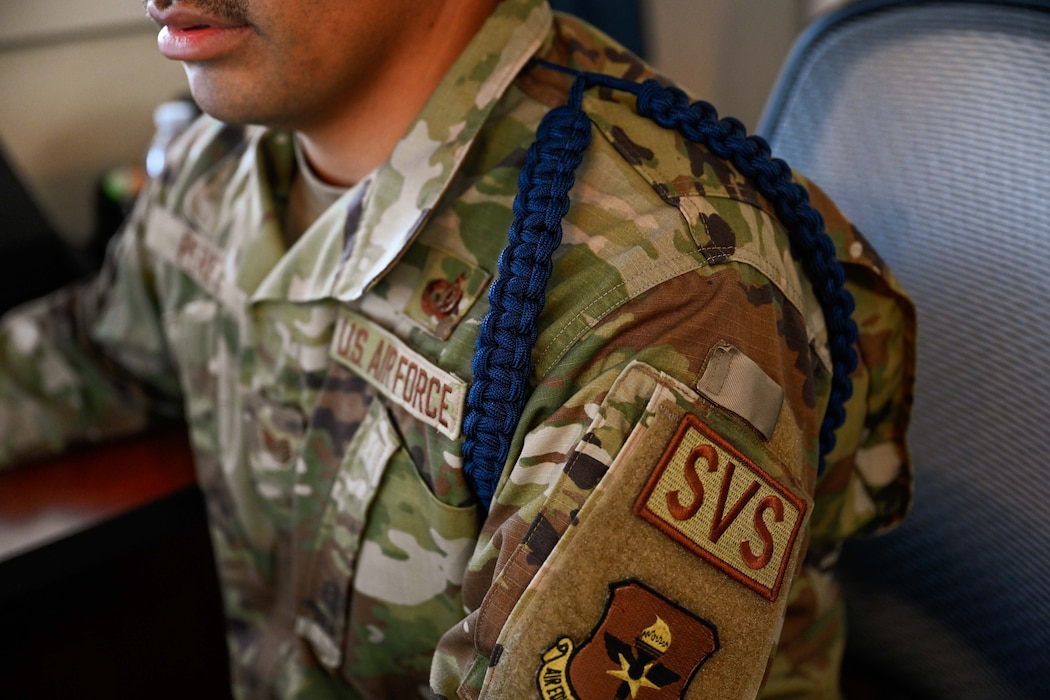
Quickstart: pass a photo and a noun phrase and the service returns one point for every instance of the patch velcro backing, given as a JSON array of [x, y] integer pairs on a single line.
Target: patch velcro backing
[[706, 495]]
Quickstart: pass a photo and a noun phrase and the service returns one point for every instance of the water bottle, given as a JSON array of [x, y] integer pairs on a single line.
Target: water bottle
[[169, 118]]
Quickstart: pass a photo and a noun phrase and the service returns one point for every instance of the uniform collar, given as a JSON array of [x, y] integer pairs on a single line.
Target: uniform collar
[[389, 210]]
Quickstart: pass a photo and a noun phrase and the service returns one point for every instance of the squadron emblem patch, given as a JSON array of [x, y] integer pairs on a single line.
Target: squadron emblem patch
[[706, 495], [644, 646]]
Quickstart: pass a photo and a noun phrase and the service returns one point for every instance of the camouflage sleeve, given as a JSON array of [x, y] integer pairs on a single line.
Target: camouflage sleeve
[[868, 487], [87, 362], [650, 530], [652, 537], [662, 526]]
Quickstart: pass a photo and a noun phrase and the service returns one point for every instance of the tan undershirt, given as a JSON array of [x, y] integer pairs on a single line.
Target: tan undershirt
[[309, 198]]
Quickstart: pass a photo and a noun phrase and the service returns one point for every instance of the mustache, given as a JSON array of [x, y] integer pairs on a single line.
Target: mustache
[[229, 10]]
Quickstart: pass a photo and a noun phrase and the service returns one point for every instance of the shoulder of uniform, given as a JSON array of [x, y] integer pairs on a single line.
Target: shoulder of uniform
[[852, 248], [673, 165]]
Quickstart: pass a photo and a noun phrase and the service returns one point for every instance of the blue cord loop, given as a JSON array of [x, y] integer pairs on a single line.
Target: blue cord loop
[[503, 358]]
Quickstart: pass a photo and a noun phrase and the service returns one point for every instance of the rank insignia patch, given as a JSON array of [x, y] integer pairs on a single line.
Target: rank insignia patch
[[645, 646], [440, 298], [706, 495], [448, 287]]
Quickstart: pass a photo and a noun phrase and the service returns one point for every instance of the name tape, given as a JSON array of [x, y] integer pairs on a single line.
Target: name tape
[[402, 375], [199, 258]]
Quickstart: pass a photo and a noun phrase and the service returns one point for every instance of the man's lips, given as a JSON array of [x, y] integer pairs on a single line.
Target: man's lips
[[187, 34]]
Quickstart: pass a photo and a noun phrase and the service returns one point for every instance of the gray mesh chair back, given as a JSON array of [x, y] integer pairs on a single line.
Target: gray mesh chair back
[[929, 124]]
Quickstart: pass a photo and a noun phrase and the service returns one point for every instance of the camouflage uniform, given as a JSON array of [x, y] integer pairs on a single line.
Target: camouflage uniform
[[681, 352]]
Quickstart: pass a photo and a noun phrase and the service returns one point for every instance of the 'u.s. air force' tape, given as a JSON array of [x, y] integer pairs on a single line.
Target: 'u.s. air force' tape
[[401, 374]]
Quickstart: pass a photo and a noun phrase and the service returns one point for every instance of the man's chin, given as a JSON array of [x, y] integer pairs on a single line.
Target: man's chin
[[222, 112], [218, 97], [224, 103], [244, 97]]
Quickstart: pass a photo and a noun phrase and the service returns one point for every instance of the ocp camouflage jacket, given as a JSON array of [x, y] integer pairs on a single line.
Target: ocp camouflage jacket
[[659, 530]]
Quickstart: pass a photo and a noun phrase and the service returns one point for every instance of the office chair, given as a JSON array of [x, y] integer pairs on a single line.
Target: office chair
[[928, 122]]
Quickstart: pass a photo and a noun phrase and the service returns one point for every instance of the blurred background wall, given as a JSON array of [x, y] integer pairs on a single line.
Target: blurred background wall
[[78, 81]]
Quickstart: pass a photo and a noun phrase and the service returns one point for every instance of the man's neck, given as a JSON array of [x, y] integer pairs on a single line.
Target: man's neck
[[343, 149]]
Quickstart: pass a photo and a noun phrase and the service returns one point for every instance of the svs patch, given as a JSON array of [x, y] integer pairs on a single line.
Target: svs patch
[[706, 495]]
